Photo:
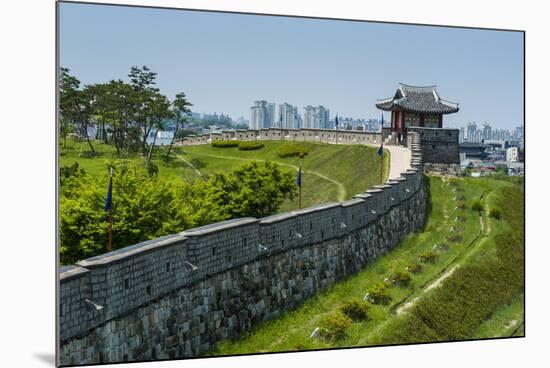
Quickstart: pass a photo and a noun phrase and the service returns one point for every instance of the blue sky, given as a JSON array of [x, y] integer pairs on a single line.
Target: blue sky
[[223, 62]]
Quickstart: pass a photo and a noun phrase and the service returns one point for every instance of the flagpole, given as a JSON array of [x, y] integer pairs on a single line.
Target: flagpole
[[382, 166], [382, 150], [300, 191], [336, 124], [110, 245], [281, 123]]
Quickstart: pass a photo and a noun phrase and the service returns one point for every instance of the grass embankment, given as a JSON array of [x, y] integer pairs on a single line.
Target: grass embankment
[[330, 172], [472, 289]]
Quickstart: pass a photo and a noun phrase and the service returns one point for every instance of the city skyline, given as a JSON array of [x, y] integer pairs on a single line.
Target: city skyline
[[487, 132], [223, 62]]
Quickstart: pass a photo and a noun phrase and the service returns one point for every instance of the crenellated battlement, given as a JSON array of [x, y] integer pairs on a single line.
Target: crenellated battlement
[[440, 150], [298, 135]]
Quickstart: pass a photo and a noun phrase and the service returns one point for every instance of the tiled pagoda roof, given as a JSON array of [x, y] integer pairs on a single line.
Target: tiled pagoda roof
[[417, 99]]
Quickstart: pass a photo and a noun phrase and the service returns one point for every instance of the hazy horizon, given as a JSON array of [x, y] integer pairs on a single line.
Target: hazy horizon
[[224, 62]]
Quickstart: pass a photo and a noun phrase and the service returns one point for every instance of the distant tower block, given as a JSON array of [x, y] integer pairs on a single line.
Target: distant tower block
[[416, 106]]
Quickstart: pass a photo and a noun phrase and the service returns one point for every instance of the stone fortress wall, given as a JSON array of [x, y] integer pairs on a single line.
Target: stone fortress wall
[[176, 296], [304, 134], [440, 149]]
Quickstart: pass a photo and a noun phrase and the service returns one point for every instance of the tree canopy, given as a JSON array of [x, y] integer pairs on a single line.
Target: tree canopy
[[122, 113], [146, 207]]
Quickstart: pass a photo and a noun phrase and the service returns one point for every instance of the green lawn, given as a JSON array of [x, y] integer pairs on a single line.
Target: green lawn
[[506, 321], [291, 331], [330, 172]]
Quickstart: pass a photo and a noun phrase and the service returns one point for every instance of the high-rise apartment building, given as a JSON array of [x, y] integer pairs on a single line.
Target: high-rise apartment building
[[288, 117], [316, 117], [262, 115], [471, 132], [270, 122]]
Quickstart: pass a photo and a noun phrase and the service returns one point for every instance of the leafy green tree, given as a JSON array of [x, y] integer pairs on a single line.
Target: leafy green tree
[[146, 207], [86, 113], [68, 87], [116, 105], [76, 107], [159, 111], [254, 189], [98, 93], [143, 81], [143, 208], [181, 108]]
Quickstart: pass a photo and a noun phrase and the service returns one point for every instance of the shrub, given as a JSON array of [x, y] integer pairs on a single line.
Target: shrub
[[414, 268], [442, 247], [225, 144], [334, 325], [197, 163], [379, 294], [152, 169], [293, 150], [428, 257], [454, 238], [495, 213], [66, 172], [401, 278], [355, 309], [250, 146], [477, 205]]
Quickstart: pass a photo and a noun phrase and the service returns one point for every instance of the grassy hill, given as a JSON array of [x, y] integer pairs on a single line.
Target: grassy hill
[[473, 289], [330, 172]]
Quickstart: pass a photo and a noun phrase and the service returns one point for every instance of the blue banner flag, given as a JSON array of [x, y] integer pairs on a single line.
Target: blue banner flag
[[382, 120], [299, 178], [336, 121], [109, 200], [381, 150]]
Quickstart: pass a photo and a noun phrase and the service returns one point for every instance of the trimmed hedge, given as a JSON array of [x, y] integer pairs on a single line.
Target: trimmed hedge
[[250, 146], [243, 146], [293, 150], [225, 144]]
